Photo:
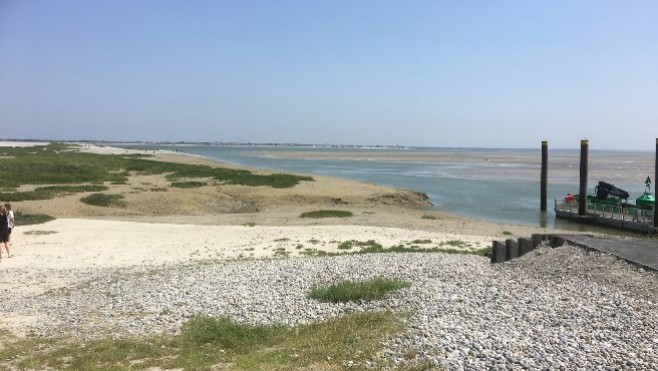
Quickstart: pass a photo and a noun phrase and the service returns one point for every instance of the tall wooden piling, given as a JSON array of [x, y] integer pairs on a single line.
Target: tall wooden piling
[[544, 174], [655, 190], [582, 201]]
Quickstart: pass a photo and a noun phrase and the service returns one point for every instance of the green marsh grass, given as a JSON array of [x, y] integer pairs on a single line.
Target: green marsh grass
[[50, 192], [31, 219], [105, 200], [188, 184], [62, 164]]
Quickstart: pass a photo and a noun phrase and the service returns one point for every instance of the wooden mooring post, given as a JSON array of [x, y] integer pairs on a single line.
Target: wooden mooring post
[[512, 249], [582, 198], [544, 174]]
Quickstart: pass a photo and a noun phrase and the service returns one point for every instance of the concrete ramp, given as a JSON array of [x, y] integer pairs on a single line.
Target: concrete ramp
[[639, 251]]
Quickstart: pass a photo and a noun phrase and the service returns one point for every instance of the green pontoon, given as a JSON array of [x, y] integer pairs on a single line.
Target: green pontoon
[[609, 195]]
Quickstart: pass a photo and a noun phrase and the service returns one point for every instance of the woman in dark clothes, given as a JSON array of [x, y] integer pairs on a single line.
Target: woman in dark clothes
[[4, 230]]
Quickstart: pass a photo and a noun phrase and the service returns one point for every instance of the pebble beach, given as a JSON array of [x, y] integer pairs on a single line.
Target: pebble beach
[[560, 308]]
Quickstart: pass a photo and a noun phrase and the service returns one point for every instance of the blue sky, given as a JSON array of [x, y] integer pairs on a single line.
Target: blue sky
[[417, 73]]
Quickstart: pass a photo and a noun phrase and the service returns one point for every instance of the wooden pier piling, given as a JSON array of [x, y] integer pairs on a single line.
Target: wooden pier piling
[[544, 174], [614, 216], [582, 201]]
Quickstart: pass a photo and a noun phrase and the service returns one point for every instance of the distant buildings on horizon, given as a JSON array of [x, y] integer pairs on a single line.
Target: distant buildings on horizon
[[188, 143]]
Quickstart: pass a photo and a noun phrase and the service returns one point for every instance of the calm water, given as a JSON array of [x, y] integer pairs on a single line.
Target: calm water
[[500, 185]]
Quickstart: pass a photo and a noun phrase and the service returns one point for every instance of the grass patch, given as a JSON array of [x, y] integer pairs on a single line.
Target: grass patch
[[158, 189], [317, 214], [281, 252], [480, 252], [373, 247], [346, 245], [227, 334], [31, 219], [207, 343], [188, 184], [455, 243], [39, 233], [507, 233], [456, 247], [316, 252], [428, 217], [345, 291], [105, 200]]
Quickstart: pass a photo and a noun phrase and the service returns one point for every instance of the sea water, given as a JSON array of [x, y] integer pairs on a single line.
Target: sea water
[[499, 185]]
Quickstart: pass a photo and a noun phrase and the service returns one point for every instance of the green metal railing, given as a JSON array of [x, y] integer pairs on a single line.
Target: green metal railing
[[618, 212]]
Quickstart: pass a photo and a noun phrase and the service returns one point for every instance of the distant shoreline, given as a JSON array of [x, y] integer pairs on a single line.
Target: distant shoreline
[[9, 141]]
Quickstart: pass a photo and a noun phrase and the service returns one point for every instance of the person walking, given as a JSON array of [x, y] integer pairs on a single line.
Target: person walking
[[10, 220], [4, 231]]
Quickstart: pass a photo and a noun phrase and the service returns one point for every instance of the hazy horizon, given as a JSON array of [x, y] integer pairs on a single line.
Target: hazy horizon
[[283, 144]]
